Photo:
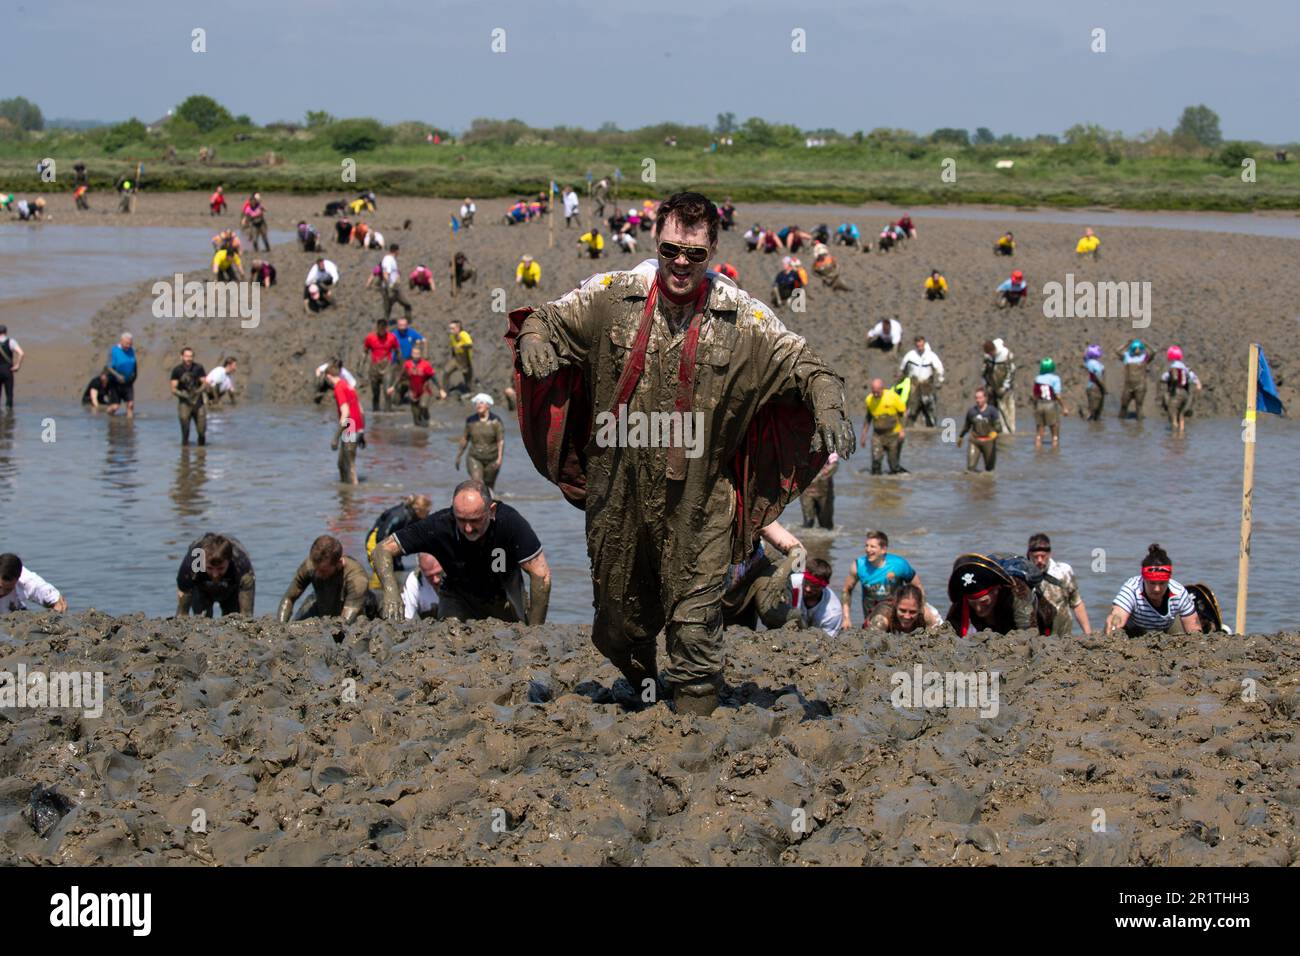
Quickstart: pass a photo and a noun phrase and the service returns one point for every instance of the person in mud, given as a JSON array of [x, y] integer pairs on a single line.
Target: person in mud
[[338, 582], [1000, 380], [21, 586], [1088, 245], [253, 221], [406, 512], [600, 195], [727, 215], [392, 283], [189, 386], [227, 238], [485, 438], [419, 381], [1006, 245], [125, 194], [818, 500], [30, 210], [908, 227], [786, 281], [936, 286], [824, 265], [384, 351], [323, 273], [983, 421], [1049, 405], [885, 335], [571, 207], [352, 425], [1057, 583], [879, 574], [217, 202], [11, 360], [886, 411], [314, 299], [421, 278], [101, 392], [848, 234], [905, 612], [323, 386], [528, 273], [1094, 389], [986, 597], [1013, 291], [818, 605], [462, 357], [625, 240], [753, 236], [594, 243], [1153, 602], [215, 572], [226, 265], [923, 366], [467, 210], [887, 239], [464, 272], [758, 588], [821, 233], [420, 597], [408, 337], [79, 177], [485, 547], [1178, 381], [794, 238], [124, 368], [263, 273], [79, 197], [220, 383], [1137, 359], [662, 534], [308, 237], [342, 231]]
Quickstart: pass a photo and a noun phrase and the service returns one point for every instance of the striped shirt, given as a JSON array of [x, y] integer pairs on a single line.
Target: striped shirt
[[1133, 599]]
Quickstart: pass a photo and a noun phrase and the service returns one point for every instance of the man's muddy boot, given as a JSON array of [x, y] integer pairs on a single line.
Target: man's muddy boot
[[698, 699]]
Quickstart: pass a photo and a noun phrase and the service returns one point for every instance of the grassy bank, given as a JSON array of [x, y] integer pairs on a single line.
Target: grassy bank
[[844, 171]]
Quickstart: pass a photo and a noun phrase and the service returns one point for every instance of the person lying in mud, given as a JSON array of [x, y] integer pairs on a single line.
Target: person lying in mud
[[662, 530], [336, 207], [825, 266], [405, 513], [485, 437], [1153, 602], [323, 386], [794, 238], [818, 605], [102, 393], [323, 273], [263, 273], [758, 589], [21, 586], [342, 231], [905, 612], [30, 209], [485, 547], [226, 265], [985, 596], [848, 234], [338, 583], [420, 597], [215, 571]]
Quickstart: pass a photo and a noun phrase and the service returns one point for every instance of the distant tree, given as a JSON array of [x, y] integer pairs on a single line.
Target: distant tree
[[243, 119], [609, 126], [984, 136], [315, 119], [1200, 123], [1086, 134], [23, 113], [947, 134], [726, 124], [204, 112], [120, 134], [357, 135]]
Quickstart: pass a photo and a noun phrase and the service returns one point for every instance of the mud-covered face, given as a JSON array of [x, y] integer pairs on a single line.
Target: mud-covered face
[[6, 587], [983, 604], [681, 276], [1041, 557], [482, 409], [812, 593], [908, 613], [327, 568], [981, 400], [217, 568]]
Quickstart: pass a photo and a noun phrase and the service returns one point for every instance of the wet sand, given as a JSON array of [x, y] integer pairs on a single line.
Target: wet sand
[[456, 728], [1211, 293]]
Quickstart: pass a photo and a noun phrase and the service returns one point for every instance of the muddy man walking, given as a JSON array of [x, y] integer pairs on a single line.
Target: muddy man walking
[[666, 518]]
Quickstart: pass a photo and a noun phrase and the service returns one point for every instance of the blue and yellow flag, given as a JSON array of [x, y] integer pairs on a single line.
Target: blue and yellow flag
[[1266, 399], [455, 224]]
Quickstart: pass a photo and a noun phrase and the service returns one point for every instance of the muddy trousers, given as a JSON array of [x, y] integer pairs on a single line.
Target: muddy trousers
[[347, 460], [987, 450], [7, 384], [484, 469], [889, 444], [819, 506], [1096, 400], [1132, 393], [190, 412], [465, 366], [1177, 406], [380, 376], [420, 407], [921, 402], [1006, 403], [393, 295]]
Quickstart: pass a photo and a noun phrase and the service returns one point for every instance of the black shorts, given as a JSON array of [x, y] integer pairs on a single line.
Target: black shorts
[[126, 393]]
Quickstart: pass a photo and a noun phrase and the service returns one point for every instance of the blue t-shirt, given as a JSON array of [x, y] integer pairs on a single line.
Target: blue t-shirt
[[1097, 369], [407, 339], [1009, 286], [879, 584], [123, 361]]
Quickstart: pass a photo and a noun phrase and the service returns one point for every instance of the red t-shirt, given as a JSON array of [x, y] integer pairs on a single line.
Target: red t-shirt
[[382, 350], [418, 375], [346, 397]]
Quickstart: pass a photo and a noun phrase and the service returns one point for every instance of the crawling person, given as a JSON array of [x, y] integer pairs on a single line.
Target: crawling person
[[340, 586], [215, 572]]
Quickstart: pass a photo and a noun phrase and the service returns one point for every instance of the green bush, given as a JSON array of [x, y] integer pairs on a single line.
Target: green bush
[[356, 135], [122, 134], [1233, 153], [204, 112]]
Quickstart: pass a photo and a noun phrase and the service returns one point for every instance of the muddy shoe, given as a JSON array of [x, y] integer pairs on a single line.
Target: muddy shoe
[[698, 699]]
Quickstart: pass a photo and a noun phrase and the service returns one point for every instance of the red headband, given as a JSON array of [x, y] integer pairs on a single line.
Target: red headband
[[1158, 572], [810, 578]]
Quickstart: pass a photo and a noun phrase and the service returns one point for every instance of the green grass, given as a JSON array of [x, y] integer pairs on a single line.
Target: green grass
[[844, 172]]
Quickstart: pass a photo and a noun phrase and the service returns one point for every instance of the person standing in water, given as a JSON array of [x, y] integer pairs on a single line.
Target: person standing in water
[[11, 359], [188, 384], [124, 368], [352, 425], [485, 437]]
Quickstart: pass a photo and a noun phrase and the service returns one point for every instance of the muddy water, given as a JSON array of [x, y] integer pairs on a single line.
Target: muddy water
[[106, 509]]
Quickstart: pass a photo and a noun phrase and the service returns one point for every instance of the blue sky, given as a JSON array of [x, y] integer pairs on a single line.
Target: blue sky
[[1018, 66]]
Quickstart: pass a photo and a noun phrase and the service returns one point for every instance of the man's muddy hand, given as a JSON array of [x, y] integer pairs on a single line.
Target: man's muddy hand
[[537, 356], [834, 433]]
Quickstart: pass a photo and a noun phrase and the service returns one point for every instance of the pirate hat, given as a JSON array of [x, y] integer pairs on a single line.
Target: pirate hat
[[972, 573], [1207, 607]]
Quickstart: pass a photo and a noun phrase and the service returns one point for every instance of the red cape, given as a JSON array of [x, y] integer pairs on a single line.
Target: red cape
[[770, 468]]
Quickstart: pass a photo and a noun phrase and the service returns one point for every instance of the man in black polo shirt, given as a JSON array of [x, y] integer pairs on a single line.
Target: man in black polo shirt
[[482, 545], [216, 570]]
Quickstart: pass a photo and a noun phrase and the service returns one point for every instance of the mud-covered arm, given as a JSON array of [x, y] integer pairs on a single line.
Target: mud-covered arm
[[1022, 604], [356, 583], [247, 590], [381, 559], [539, 588], [301, 579], [786, 363], [570, 324]]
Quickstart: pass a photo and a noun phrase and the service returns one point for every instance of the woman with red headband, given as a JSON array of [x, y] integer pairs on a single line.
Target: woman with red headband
[[1154, 601]]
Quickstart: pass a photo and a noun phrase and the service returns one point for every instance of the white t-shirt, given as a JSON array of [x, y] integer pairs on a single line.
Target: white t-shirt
[[9, 343], [418, 596], [331, 271], [827, 614], [343, 373], [894, 333], [467, 210], [570, 203], [392, 274], [220, 379], [33, 588]]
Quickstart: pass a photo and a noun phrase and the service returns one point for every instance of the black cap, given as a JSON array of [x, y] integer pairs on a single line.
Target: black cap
[[972, 573]]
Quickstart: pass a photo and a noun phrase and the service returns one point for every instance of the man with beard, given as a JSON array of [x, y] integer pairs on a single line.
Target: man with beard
[[188, 384], [662, 531]]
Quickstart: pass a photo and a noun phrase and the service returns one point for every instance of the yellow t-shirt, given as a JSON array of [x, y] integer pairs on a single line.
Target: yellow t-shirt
[[889, 403], [222, 260], [532, 272], [596, 242], [943, 283], [1087, 244], [461, 343]]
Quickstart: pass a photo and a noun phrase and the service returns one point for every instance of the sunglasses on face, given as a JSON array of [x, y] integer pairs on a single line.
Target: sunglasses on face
[[696, 254]]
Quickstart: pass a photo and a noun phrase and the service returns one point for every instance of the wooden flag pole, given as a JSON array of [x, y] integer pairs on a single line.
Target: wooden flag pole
[[1247, 490], [550, 217], [452, 229]]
